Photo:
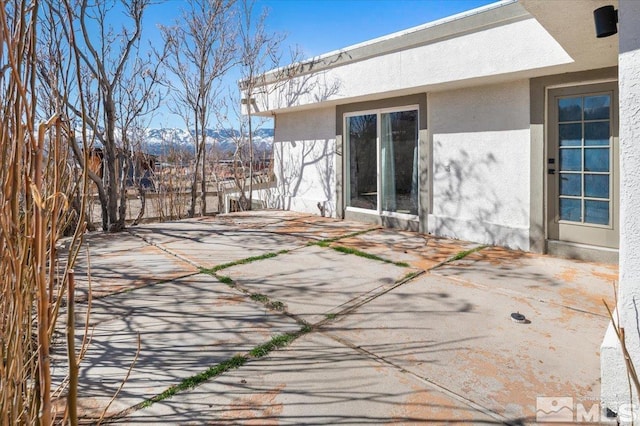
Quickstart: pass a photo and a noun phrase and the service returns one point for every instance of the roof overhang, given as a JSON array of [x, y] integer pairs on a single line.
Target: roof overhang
[[499, 13], [571, 23], [485, 17], [503, 41]]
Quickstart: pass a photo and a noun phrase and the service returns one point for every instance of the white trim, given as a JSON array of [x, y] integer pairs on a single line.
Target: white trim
[[396, 215], [361, 210], [581, 83], [404, 216], [409, 107]]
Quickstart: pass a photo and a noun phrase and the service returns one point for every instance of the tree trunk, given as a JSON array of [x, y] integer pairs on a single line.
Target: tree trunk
[[250, 207], [122, 209], [111, 158], [143, 203], [203, 209], [219, 195], [194, 183], [102, 197]]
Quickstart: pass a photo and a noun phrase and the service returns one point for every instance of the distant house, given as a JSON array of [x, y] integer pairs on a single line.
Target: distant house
[[511, 124], [141, 170], [141, 166]]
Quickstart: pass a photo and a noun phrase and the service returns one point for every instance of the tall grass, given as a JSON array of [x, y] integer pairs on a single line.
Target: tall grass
[[35, 193]]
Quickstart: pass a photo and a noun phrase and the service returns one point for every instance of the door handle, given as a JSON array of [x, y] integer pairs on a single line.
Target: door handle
[[551, 171]]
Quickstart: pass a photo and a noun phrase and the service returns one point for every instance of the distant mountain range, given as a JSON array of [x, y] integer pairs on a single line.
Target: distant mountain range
[[165, 140]]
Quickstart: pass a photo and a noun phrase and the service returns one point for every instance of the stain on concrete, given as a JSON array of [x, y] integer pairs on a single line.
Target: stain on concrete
[[259, 408]]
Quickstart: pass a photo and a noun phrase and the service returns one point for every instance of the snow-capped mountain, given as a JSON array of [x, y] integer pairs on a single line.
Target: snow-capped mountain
[[160, 141]]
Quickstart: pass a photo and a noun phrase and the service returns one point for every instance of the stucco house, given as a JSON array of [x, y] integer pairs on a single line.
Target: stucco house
[[511, 124]]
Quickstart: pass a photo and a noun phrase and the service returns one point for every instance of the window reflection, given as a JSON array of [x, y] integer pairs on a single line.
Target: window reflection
[[570, 134], [570, 109], [596, 186], [584, 131], [596, 133], [597, 107], [399, 162], [570, 209], [596, 212], [362, 131]]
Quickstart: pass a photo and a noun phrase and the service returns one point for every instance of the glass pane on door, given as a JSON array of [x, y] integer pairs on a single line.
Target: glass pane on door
[[399, 161], [584, 154]]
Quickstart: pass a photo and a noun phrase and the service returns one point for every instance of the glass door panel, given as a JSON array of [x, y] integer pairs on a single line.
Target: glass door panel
[[584, 124], [363, 174], [399, 161]]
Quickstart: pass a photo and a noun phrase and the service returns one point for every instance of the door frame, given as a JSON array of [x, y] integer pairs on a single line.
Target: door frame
[[399, 221], [596, 235]]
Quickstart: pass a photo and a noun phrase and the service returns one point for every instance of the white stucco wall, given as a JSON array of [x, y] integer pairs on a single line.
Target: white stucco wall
[[304, 161], [481, 164], [614, 380], [478, 55]]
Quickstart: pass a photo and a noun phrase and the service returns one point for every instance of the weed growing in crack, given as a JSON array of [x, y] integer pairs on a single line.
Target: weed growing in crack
[[366, 255], [259, 298], [276, 342], [276, 305], [212, 271], [193, 381], [225, 280], [325, 242], [306, 328], [463, 254]]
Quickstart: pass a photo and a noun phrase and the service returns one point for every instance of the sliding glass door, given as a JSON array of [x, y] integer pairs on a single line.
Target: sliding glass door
[[383, 161]]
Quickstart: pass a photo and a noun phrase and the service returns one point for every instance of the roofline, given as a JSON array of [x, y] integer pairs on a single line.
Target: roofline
[[501, 12], [438, 22]]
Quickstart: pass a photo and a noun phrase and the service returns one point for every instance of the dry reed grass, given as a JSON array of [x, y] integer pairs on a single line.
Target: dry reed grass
[[35, 193]]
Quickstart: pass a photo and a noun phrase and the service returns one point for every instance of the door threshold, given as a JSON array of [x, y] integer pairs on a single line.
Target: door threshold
[[579, 251]]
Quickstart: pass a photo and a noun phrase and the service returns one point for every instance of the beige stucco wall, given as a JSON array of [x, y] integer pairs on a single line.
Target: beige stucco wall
[[615, 387], [481, 55], [304, 161], [480, 140], [478, 157]]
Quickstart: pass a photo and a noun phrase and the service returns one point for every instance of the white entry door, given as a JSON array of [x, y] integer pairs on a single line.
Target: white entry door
[[582, 165]]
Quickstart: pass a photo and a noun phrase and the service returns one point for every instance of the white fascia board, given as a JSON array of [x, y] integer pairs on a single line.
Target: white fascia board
[[473, 20], [511, 50]]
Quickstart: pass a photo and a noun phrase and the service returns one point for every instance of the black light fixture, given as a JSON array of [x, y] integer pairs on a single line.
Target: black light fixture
[[606, 19]]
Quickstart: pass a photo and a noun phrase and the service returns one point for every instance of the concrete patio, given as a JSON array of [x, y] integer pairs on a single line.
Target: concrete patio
[[418, 332]]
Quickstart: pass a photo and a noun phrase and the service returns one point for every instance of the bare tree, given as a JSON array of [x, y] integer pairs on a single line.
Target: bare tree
[[259, 52], [137, 99], [116, 87], [200, 51]]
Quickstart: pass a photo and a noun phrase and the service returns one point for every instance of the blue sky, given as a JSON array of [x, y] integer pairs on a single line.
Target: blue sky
[[320, 26]]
